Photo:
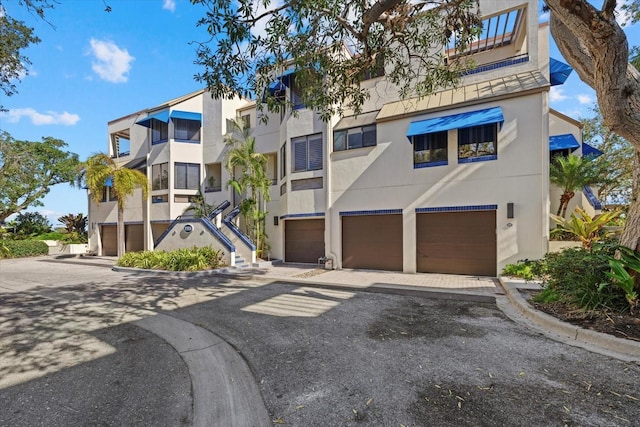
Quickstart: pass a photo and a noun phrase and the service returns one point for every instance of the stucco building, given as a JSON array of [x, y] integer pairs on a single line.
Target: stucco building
[[457, 182]]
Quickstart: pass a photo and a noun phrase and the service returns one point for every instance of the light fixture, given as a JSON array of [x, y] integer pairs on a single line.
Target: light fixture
[[275, 220], [510, 212], [187, 228]]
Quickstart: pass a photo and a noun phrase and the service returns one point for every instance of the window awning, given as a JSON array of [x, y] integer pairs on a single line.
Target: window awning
[[563, 142], [136, 163], [558, 71], [456, 121], [590, 151], [286, 76], [109, 182], [355, 121], [186, 115], [162, 116]]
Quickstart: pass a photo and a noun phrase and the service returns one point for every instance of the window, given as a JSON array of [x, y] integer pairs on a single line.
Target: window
[[357, 137], [185, 198], [104, 194], [296, 94], [160, 176], [159, 131], [162, 198], [120, 144], [430, 149], [478, 143], [283, 160], [112, 194], [245, 121], [186, 130], [307, 153], [187, 176]]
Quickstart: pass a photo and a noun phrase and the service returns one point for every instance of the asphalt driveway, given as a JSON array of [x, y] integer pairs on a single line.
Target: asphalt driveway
[[319, 357]]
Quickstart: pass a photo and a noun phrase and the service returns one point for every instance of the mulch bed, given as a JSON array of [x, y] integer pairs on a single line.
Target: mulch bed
[[620, 325]]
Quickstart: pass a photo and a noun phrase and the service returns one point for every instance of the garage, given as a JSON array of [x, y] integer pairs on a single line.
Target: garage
[[109, 237], [134, 237], [456, 242], [372, 242], [303, 240]]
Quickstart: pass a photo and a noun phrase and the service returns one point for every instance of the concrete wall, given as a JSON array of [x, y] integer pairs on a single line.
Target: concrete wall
[[200, 236]]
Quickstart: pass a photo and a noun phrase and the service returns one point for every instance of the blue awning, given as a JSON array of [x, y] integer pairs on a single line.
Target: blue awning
[[276, 86], [162, 116], [108, 182], [186, 115], [456, 121], [286, 76], [558, 71], [590, 151], [563, 142]]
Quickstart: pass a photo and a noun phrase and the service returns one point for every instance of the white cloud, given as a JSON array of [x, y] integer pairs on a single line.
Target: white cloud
[[556, 94], [544, 17], [111, 63], [39, 119], [169, 5], [585, 99]]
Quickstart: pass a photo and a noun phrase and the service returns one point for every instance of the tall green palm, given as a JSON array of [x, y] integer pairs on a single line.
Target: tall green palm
[[252, 183], [98, 169], [572, 173]]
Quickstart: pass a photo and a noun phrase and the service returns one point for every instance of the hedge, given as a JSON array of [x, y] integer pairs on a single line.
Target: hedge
[[22, 248]]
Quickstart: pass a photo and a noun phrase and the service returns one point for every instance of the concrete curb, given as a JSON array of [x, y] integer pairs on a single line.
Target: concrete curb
[[225, 392], [599, 342], [388, 288]]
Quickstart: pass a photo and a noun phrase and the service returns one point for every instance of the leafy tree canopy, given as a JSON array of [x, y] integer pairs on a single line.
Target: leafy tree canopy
[[615, 165], [28, 169], [332, 45], [31, 224]]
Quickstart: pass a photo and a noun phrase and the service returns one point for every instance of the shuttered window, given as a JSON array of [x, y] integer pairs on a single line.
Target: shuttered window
[[307, 153], [187, 176]]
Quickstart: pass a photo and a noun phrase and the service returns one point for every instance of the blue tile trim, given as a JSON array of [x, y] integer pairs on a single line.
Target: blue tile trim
[[496, 65], [161, 141], [187, 141], [478, 159], [593, 200], [458, 208], [228, 222], [430, 164], [302, 215], [374, 212]]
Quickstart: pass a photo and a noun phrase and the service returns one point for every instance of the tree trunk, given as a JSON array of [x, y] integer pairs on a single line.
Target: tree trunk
[[120, 229], [597, 48], [631, 234]]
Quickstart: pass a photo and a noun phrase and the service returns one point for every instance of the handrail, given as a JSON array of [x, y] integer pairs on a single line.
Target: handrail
[[593, 200], [228, 221], [218, 210]]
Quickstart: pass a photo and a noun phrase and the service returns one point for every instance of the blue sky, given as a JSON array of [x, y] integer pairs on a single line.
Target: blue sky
[[92, 67]]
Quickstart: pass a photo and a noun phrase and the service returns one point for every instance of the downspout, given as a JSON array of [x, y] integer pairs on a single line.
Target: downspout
[[149, 244], [329, 216]]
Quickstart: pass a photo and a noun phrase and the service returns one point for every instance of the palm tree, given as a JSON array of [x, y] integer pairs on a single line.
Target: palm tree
[[572, 173], [252, 184], [100, 168]]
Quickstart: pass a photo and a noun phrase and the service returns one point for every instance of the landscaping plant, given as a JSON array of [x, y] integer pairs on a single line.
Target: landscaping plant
[[186, 259], [629, 260], [587, 229]]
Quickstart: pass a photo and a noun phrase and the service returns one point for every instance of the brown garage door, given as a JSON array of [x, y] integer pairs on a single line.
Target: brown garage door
[[134, 237], [457, 242], [372, 242], [303, 240], [109, 237]]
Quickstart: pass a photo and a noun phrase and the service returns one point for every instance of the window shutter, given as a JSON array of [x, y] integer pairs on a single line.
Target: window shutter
[[299, 155], [315, 153]]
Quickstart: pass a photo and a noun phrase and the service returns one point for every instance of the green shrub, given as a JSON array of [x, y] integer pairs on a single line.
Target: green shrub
[[187, 259], [23, 248], [547, 295], [525, 269], [52, 235], [579, 276]]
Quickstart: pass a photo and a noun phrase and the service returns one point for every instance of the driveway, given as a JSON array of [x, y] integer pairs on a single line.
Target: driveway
[[319, 356]]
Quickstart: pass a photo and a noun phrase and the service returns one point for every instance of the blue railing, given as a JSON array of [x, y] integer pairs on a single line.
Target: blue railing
[[228, 221], [593, 200]]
